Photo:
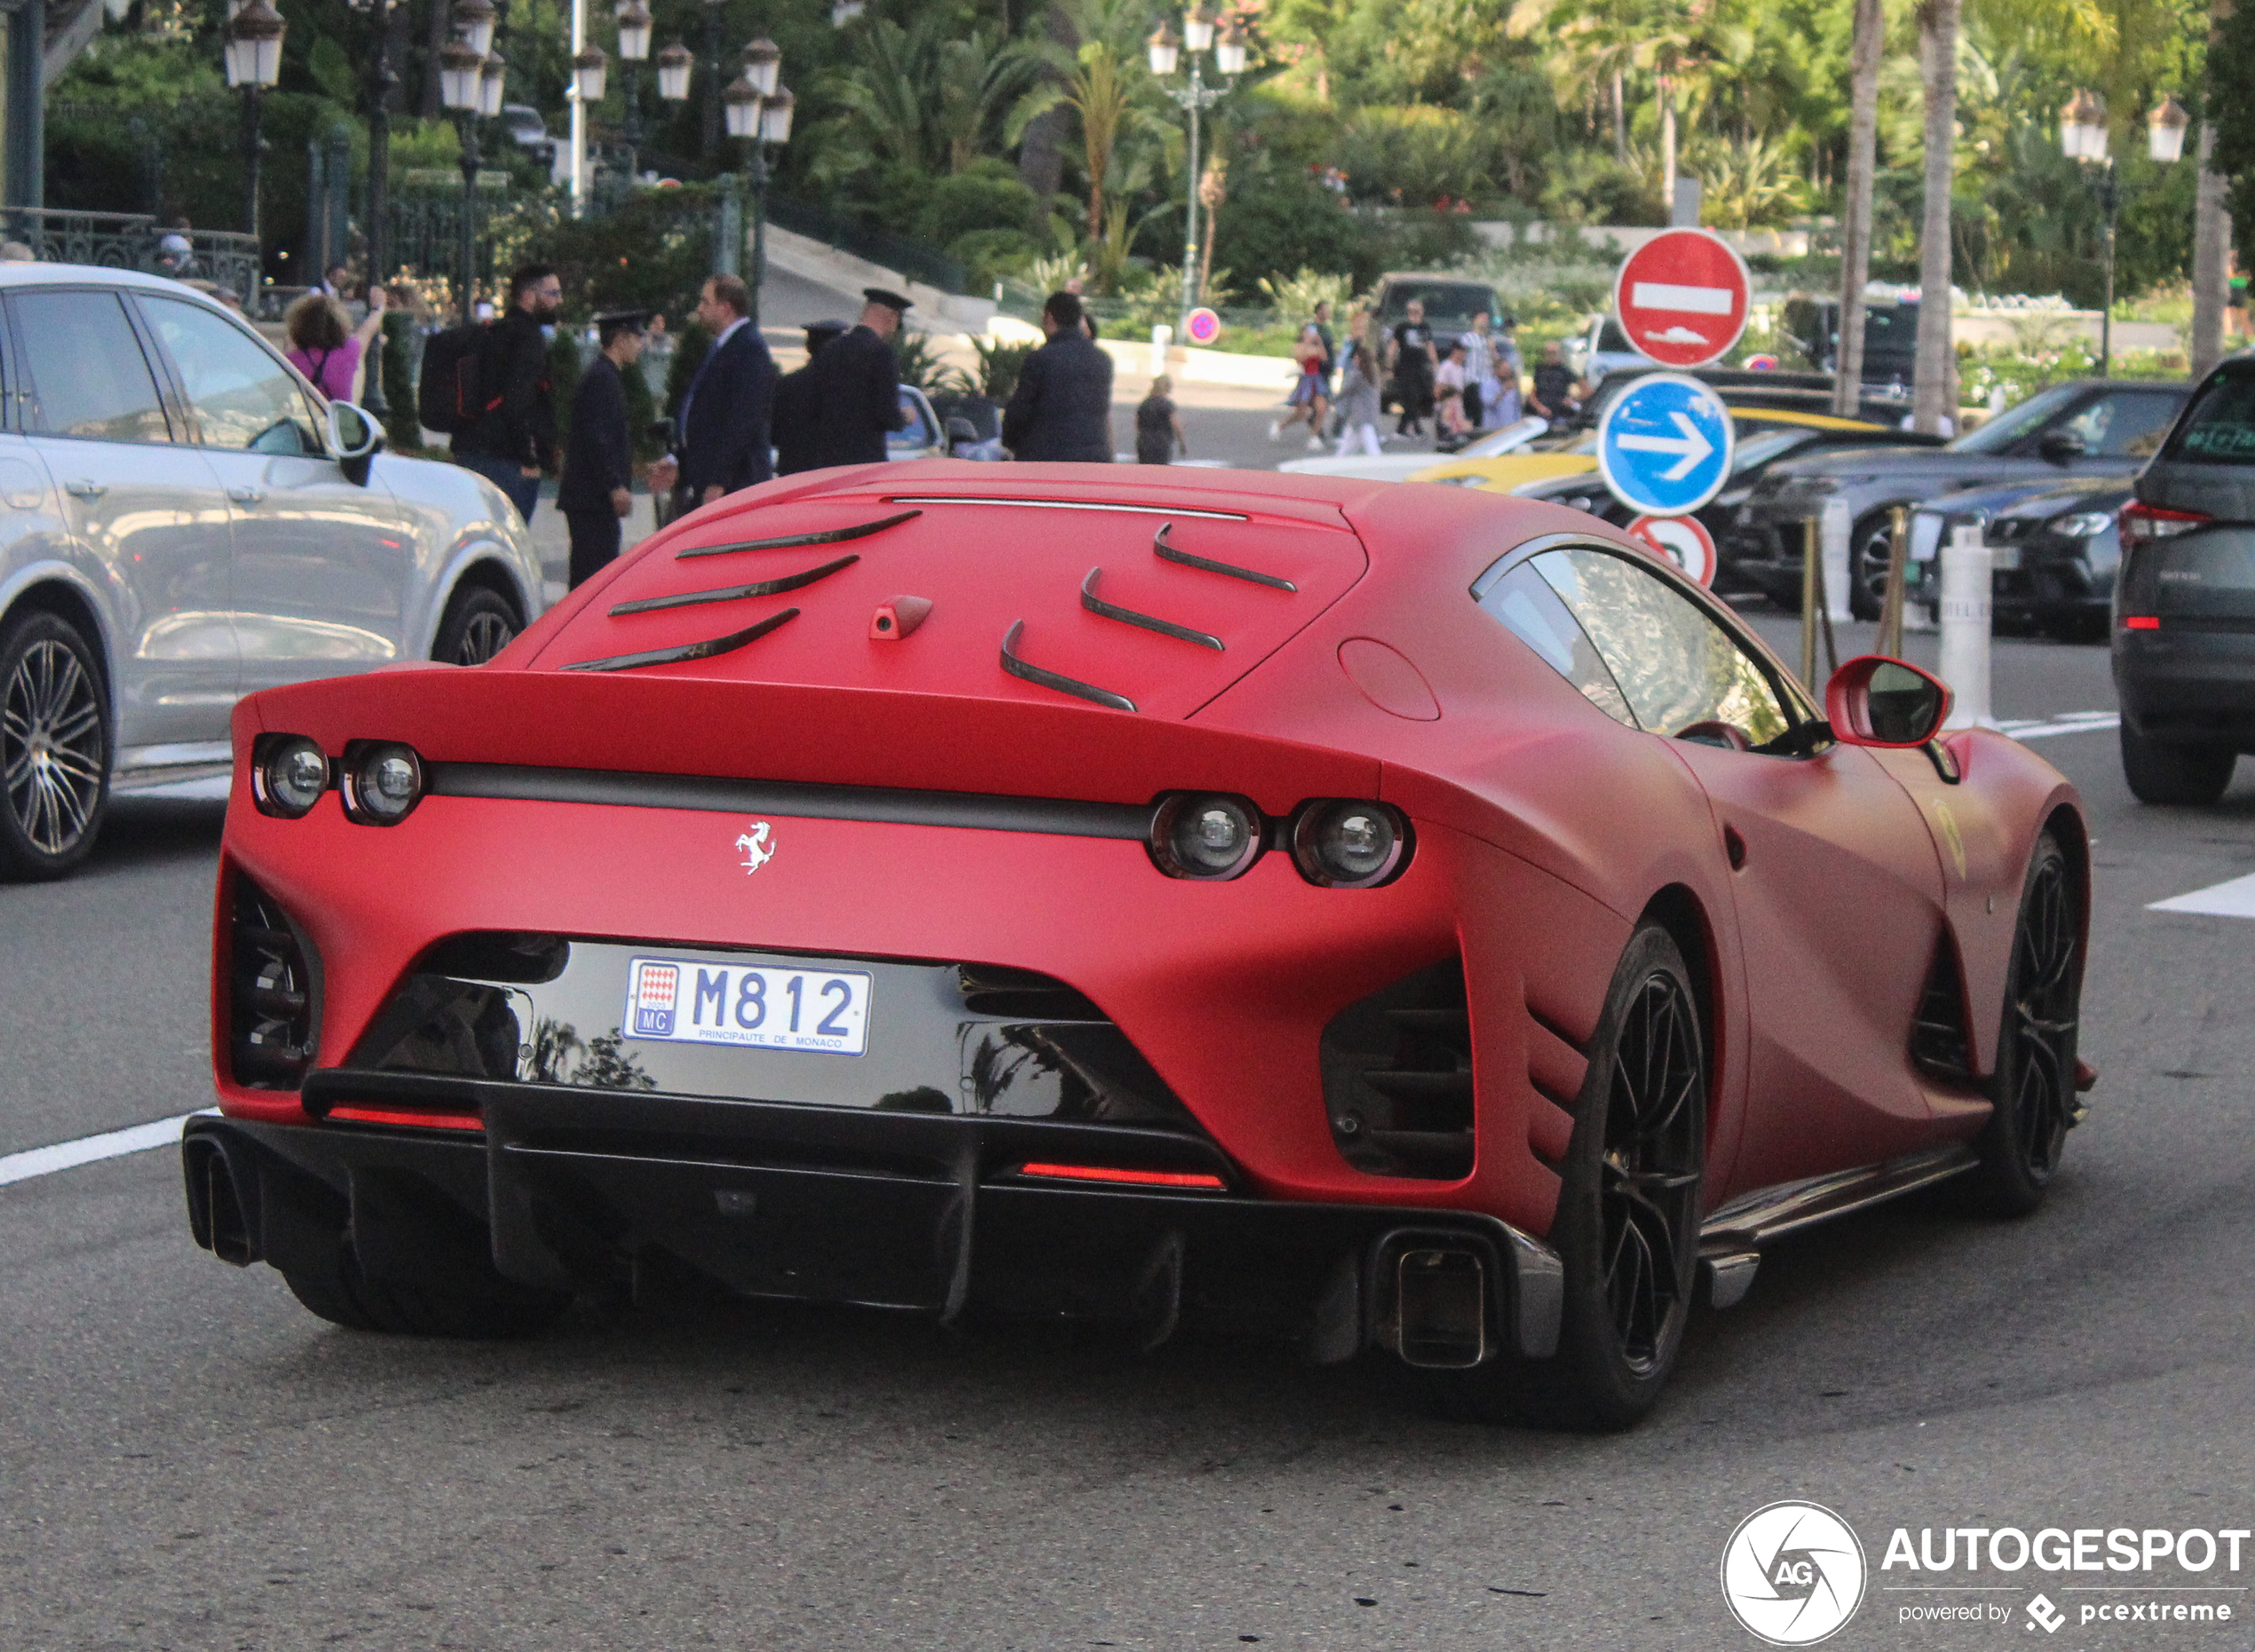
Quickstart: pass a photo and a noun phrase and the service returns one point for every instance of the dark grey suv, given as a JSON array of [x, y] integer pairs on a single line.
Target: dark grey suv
[[2184, 605]]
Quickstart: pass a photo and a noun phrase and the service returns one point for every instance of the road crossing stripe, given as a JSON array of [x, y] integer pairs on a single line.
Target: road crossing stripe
[[2235, 898], [44, 1161], [2067, 722]]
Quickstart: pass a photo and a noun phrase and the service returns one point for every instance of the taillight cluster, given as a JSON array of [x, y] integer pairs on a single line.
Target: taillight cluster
[[380, 781], [2142, 523], [1343, 844]]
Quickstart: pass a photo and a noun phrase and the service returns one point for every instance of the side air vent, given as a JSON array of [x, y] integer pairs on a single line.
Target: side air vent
[[1397, 1077], [273, 1002], [1938, 1029]]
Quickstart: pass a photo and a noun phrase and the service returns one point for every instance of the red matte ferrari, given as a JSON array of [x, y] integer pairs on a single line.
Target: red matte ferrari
[[1379, 915]]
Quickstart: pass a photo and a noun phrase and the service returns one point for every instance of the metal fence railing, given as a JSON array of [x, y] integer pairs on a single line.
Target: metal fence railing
[[128, 241]]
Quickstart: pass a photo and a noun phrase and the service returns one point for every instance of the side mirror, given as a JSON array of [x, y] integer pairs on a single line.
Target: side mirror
[[2059, 447], [1874, 700], [961, 433], [354, 439]]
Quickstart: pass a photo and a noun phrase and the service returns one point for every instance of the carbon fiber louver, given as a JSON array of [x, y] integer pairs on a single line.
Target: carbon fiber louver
[[273, 1000], [1397, 1077]]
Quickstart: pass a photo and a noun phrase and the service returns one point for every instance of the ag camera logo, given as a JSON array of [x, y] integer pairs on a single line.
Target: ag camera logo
[[1792, 1573]]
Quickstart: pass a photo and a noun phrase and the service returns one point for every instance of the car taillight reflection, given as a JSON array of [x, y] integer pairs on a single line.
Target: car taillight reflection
[[2142, 523]]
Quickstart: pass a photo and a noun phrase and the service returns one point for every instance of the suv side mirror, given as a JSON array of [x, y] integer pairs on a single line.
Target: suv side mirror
[[961, 433], [354, 439], [2059, 447], [1874, 700]]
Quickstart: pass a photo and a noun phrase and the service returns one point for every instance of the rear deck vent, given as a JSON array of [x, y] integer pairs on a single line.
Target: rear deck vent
[[274, 1008], [1938, 1029], [1397, 1077]]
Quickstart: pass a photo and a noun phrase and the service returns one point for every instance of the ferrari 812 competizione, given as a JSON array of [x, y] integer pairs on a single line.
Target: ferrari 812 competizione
[[1382, 916]]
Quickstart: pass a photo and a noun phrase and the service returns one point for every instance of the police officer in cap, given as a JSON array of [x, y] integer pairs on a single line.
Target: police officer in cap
[[794, 404], [854, 387], [597, 487]]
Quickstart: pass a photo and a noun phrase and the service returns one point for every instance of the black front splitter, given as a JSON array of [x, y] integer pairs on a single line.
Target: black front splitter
[[577, 1190]]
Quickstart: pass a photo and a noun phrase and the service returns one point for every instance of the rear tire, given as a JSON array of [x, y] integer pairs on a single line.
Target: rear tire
[[2160, 773], [488, 1309], [1627, 1228], [54, 747], [479, 623], [2033, 1088]]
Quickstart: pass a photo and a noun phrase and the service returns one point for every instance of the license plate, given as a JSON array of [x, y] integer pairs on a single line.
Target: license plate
[[2003, 558], [688, 1001]]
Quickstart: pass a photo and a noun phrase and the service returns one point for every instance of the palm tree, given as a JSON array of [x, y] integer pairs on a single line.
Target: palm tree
[[1869, 43], [1934, 398], [979, 77]]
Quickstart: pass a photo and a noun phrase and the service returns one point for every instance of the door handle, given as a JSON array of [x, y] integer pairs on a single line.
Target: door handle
[[85, 488], [246, 495]]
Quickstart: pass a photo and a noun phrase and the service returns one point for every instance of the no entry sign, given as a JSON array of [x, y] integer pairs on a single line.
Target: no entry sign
[[1683, 540], [1681, 297]]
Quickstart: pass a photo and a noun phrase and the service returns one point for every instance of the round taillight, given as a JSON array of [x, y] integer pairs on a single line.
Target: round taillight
[[1345, 845], [1208, 836], [382, 783], [289, 776]]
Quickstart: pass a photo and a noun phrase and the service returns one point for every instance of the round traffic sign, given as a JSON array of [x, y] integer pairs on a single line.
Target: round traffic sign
[[1683, 540], [1683, 297], [1663, 447], [1202, 326]]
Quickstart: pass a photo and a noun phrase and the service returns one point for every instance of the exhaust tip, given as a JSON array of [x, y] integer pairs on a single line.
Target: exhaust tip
[[216, 1215], [1441, 1297]]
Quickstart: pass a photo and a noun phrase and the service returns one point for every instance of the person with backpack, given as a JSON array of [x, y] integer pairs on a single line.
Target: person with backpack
[[511, 439], [323, 344]]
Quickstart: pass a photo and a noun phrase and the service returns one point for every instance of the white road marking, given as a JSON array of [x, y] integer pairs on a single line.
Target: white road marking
[[44, 1161], [2233, 899], [2066, 723]]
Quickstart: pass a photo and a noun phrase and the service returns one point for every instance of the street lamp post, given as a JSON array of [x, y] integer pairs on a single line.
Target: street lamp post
[[2084, 138], [462, 69], [759, 112], [712, 81], [1196, 98], [254, 63], [634, 48]]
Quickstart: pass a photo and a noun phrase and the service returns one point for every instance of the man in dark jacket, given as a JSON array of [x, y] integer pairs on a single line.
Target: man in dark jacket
[[795, 407], [1061, 408], [598, 488], [723, 418], [853, 388], [516, 440]]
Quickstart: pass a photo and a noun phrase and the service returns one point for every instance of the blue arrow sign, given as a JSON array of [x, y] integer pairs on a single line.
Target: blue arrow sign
[[1663, 445]]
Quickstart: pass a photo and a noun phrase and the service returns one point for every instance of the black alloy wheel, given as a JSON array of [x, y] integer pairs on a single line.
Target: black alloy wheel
[[479, 623], [2162, 773], [54, 747], [1627, 1228], [2033, 1089]]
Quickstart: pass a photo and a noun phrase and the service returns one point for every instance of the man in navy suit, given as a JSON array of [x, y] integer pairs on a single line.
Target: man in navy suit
[[723, 418]]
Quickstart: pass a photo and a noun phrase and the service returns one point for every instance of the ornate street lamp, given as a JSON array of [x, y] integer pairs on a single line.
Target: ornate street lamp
[[717, 75], [1196, 98], [491, 75], [844, 11], [476, 19], [677, 66], [254, 38], [634, 48], [2083, 137], [758, 109], [590, 70], [462, 73]]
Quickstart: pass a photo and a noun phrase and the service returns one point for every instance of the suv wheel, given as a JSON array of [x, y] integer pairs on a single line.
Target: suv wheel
[[478, 625], [2160, 773], [54, 747], [1869, 549]]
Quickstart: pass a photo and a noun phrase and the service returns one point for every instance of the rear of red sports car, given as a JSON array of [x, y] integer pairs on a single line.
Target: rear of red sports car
[[852, 895]]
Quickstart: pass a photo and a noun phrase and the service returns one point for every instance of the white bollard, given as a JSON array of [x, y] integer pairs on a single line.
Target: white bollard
[[1966, 605], [1832, 530], [1161, 336]]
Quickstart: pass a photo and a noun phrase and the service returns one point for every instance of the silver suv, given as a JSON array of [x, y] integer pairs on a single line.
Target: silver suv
[[187, 521]]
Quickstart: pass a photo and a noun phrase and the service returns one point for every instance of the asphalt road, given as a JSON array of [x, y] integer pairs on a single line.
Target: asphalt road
[[188, 1459]]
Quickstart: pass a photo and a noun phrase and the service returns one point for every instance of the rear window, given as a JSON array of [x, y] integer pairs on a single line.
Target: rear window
[[2221, 428], [1445, 302]]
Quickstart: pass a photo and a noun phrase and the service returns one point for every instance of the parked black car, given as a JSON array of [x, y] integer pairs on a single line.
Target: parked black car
[[2054, 549], [2184, 611], [1765, 437], [2090, 427]]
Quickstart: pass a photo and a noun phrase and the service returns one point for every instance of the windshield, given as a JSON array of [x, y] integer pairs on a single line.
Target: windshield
[[1761, 449], [2014, 423], [1449, 306]]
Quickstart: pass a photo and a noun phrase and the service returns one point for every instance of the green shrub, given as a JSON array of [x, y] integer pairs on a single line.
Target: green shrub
[[989, 255]]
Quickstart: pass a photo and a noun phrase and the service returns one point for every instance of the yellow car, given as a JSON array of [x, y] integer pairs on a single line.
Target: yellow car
[[1509, 472]]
